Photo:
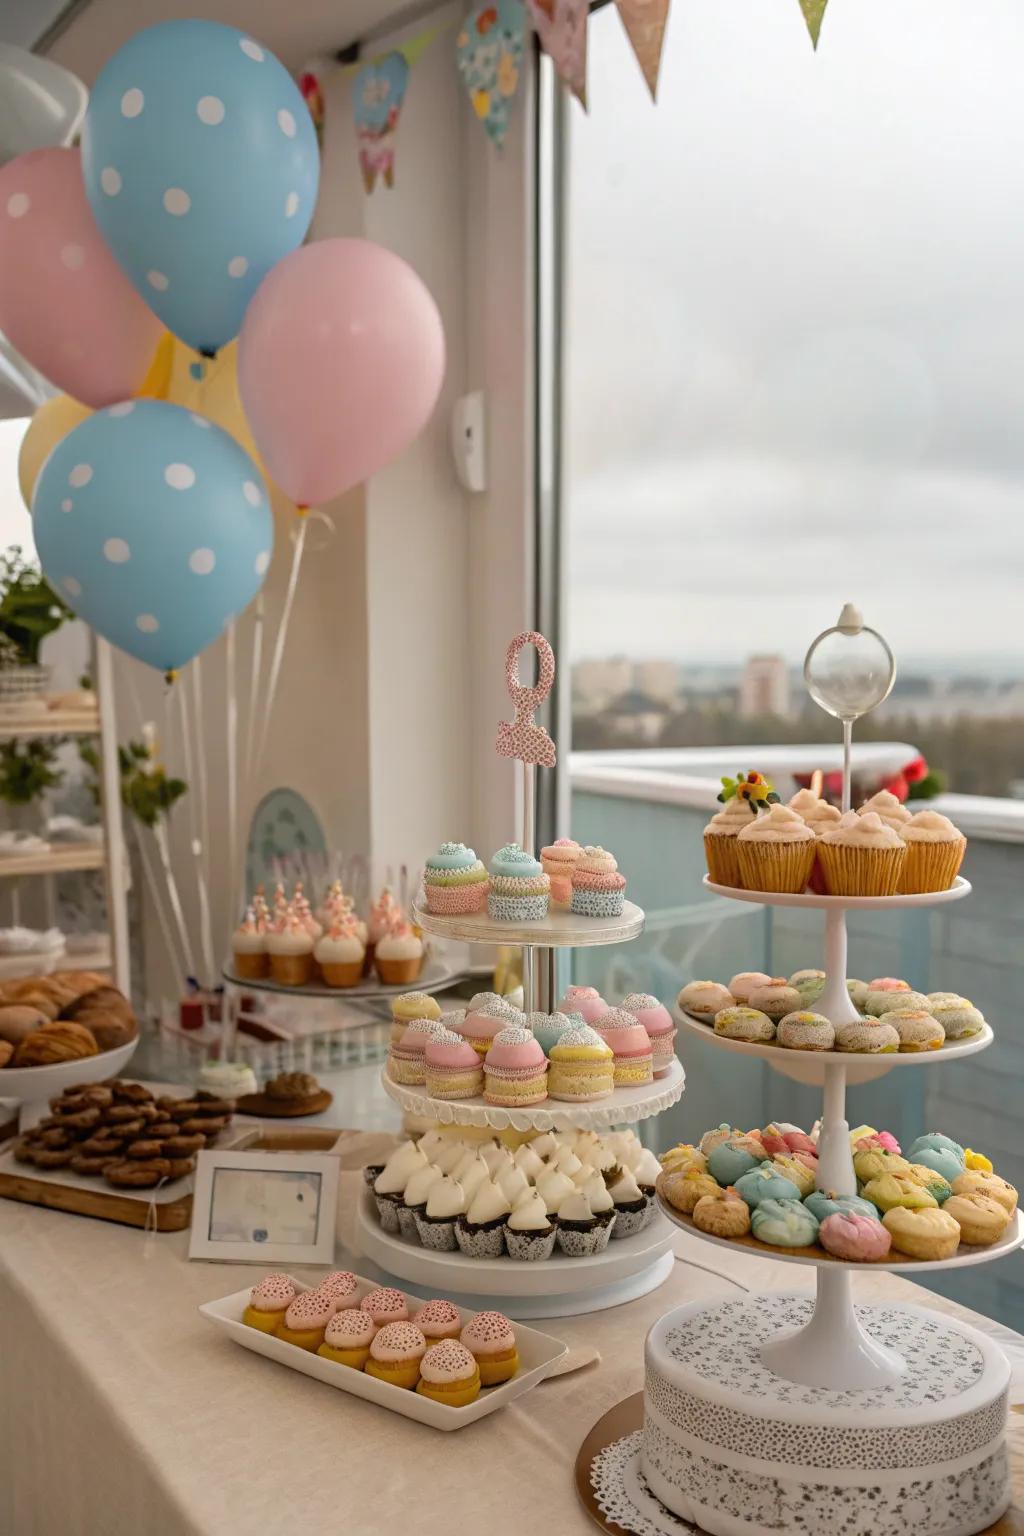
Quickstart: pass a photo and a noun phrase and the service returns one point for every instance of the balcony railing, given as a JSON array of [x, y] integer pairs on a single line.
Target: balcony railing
[[650, 808]]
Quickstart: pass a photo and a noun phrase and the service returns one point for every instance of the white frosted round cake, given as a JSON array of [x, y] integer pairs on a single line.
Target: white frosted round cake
[[735, 1448]]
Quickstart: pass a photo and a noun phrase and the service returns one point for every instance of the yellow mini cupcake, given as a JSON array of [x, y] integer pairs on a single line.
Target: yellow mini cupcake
[[491, 1340], [861, 856], [449, 1374], [581, 1066], [268, 1303], [306, 1320], [776, 852], [935, 851], [395, 1354], [348, 1338]]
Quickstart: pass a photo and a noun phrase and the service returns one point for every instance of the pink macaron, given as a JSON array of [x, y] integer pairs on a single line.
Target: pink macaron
[[583, 1000], [848, 1236], [659, 1024]]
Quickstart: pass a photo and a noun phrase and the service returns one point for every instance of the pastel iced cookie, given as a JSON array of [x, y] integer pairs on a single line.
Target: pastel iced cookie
[[765, 1183], [847, 1235], [784, 1224]]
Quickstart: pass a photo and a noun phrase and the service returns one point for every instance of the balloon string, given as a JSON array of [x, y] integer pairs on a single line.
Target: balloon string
[[232, 755], [201, 853], [179, 964], [254, 688], [282, 631], [160, 838]]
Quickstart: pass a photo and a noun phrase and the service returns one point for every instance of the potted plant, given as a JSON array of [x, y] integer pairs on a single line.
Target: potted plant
[[29, 611]]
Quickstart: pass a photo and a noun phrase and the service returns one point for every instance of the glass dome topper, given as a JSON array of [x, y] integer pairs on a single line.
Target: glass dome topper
[[849, 670]]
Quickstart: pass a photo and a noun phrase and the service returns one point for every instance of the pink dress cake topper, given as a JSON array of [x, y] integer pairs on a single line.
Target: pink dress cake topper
[[522, 737]]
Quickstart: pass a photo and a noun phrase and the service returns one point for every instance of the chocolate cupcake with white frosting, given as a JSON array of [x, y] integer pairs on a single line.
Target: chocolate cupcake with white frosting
[[529, 1231], [480, 1233]]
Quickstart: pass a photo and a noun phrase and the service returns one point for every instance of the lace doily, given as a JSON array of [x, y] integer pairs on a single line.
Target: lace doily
[[623, 1496]]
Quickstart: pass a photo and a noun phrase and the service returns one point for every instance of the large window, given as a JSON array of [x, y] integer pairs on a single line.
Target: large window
[[795, 375]]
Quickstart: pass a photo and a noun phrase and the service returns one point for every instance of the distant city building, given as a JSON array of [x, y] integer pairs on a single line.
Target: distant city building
[[658, 679], [764, 687], [636, 717], [595, 683]]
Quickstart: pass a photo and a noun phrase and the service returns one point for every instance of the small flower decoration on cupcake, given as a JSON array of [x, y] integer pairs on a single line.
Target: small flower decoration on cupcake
[[752, 787]]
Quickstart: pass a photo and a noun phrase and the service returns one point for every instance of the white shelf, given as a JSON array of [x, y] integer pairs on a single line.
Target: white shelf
[[623, 1106], [559, 930], [434, 977], [810, 1066], [58, 859], [56, 722], [956, 891]]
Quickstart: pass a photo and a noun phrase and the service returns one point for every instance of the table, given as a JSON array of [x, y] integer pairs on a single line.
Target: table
[[122, 1411]]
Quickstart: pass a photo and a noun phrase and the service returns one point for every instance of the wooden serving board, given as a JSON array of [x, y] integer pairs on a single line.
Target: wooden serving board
[[169, 1211]]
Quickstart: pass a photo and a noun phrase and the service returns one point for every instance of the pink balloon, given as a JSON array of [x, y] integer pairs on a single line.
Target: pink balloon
[[64, 301], [340, 362]]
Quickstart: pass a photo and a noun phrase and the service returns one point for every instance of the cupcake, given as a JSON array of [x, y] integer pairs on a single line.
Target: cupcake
[[341, 1289], [268, 1303], [348, 1337], [581, 1066], [578, 1230], [631, 1045], [407, 1059], [529, 1234], [528, 1160], [395, 1354], [741, 986], [885, 804], [449, 1374], [748, 1024], [776, 852], [720, 836], [452, 1068], [647, 1170], [515, 1070], [553, 1186], [409, 1006], [470, 1172], [660, 1027], [631, 1209], [598, 890], [519, 888], [306, 1320], [455, 881], [385, 1305], [513, 1184], [935, 851], [389, 1185], [481, 1026], [862, 856], [819, 815], [438, 1319], [446, 1202], [558, 860], [917, 1030], [414, 1199], [290, 947], [959, 1018], [480, 1232], [340, 953], [249, 948], [776, 998], [804, 1031], [703, 999], [586, 1001], [491, 1340], [398, 954], [383, 912]]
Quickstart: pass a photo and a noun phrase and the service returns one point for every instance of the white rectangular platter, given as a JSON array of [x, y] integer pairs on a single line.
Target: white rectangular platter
[[538, 1355]]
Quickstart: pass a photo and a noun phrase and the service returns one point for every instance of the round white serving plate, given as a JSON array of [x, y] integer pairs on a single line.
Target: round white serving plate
[[624, 1106], [555, 1287], [956, 891], [559, 930], [809, 1066], [31, 1083], [434, 977]]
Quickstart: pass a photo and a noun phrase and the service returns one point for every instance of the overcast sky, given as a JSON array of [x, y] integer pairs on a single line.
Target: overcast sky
[[796, 332]]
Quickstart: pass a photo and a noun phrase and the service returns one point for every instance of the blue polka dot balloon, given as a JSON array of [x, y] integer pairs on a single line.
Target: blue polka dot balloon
[[201, 166], [155, 527]]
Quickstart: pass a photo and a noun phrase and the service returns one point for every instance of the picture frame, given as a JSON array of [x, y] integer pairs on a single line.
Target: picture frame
[[260, 1207]]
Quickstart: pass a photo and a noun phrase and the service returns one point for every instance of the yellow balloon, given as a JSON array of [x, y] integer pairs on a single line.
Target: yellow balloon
[[210, 387], [49, 426]]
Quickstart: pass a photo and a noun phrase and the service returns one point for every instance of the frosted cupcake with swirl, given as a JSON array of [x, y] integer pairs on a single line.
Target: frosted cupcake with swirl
[[519, 889], [455, 881], [862, 856]]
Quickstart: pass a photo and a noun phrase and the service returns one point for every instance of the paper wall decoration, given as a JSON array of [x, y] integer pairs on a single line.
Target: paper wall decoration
[[378, 94], [562, 28], [489, 54], [814, 15], [644, 21]]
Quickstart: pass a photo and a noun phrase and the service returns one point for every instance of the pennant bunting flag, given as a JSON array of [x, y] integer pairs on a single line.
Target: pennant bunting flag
[[814, 15], [378, 94], [489, 53], [644, 21], [562, 28], [313, 96]]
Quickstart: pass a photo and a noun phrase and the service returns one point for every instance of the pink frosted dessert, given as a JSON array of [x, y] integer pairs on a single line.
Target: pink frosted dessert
[[848, 1236], [883, 1141], [586, 1001], [452, 1068], [339, 1288], [631, 1047], [776, 1141], [310, 1312], [385, 1305], [660, 1027], [407, 1056], [558, 860], [480, 1028], [438, 1319], [515, 1069]]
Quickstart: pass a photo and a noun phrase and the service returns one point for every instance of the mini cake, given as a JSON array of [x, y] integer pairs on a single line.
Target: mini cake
[[389, 1185], [632, 1210], [305, 1321], [647, 1171], [548, 1028], [806, 1032], [491, 1340], [935, 851], [577, 1228], [766, 1183], [748, 1024], [598, 889], [922, 1234], [249, 948], [438, 1319], [875, 1161], [529, 1232], [724, 1214], [683, 1155], [886, 806], [452, 1067], [226, 1079], [383, 912], [823, 1205], [776, 998], [395, 1354], [682, 1189], [398, 954], [602, 1208], [776, 852], [449, 1375], [848, 1236], [869, 1036], [891, 1190], [704, 999], [407, 1059], [581, 1066], [348, 1337], [981, 1218], [409, 1006], [414, 1199], [658, 1022], [470, 1172], [480, 1231], [519, 888], [784, 1224], [782, 1140], [917, 1030], [720, 841], [946, 1164], [730, 1160], [385, 1305], [975, 1181], [268, 1303], [435, 1228], [743, 983], [939, 1188], [959, 1019], [290, 947], [558, 861], [586, 1001], [796, 1170], [631, 1044], [455, 881], [861, 856], [515, 1069], [340, 953]]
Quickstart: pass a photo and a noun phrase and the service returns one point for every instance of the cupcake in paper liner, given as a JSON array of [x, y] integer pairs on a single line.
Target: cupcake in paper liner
[[446, 1202], [520, 891], [885, 804], [414, 1199], [598, 889], [862, 856], [558, 860], [389, 1185], [455, 881], [529, 1231], [776, 852], [631, 1209], [646, 1171], [480, 1233], [577, 1227], [602, 1208], [935, 851], [720, 841]]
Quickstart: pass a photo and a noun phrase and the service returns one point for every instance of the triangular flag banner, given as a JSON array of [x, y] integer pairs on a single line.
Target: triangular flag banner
[[644, 21], [378, 93], [562, 28], [814, 15], [489, 54]]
